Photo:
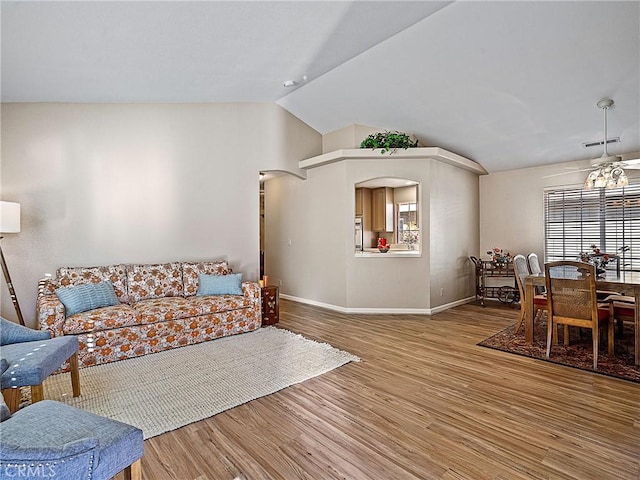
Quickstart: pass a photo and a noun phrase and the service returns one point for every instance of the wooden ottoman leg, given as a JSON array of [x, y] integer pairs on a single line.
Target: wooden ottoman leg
[[12, 398], [37, 393], [134, 471], [75, 374]]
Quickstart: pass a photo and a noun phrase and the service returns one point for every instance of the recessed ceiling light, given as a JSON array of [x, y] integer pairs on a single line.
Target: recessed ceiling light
[[290, 83]]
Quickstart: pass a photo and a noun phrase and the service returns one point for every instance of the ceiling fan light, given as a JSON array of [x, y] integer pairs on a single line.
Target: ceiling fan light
[[588, 183], [601, 180], [608, 173], [623, 180]]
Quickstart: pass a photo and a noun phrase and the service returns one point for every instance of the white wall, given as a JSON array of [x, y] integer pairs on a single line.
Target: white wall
[[103, 184]]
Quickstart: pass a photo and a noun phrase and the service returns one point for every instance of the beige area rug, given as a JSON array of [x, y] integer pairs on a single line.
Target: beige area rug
[[167, 390]]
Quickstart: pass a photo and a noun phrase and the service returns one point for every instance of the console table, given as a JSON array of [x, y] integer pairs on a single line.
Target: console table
[[485, 270]]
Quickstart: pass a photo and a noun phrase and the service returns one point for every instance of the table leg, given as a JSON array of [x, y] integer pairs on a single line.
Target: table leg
[[529, 293], [636, 315]]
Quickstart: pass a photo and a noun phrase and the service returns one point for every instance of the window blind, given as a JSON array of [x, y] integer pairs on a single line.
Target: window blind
[[576, 218]]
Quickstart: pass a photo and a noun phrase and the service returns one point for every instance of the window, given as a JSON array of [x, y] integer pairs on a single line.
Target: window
[[576, 218], [408, 231]]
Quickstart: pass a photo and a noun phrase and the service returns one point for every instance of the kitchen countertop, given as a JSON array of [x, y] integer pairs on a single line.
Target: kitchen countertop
[[373, 252]]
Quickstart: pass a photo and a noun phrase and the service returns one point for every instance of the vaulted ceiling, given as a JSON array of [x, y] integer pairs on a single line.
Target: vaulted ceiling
[[507, 84]]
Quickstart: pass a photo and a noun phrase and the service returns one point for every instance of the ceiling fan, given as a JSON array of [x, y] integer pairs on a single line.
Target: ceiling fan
[[608, 170]]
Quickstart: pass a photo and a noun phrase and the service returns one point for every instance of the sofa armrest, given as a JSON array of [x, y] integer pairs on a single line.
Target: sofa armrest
[[251, 291], [50, 314]]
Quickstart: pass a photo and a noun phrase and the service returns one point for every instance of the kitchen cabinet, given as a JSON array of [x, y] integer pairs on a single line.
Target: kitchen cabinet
[[382, 209], [359, 195], [363, 206]]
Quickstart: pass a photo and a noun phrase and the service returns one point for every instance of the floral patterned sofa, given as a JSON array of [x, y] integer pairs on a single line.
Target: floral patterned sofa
[[159, 308]]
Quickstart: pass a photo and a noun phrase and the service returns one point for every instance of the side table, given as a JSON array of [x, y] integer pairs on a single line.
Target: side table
[[270, 305]]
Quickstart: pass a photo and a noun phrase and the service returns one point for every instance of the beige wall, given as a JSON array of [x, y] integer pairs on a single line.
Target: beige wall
[[512, 205], [350, 136], [102, 184], [305, 230], [454, 233], [386, 283], [405, 194], [319, 266]]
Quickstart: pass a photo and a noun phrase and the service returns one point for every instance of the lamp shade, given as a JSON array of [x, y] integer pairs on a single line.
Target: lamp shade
[[9, 217]]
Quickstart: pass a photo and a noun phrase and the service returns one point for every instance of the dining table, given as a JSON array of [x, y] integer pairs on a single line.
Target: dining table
[[623, 282]]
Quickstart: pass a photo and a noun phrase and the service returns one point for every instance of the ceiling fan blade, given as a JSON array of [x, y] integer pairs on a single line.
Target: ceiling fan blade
[[631, 161], [572, 171]]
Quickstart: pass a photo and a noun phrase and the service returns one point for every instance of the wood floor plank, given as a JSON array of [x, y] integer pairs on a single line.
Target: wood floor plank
[[425, 402]]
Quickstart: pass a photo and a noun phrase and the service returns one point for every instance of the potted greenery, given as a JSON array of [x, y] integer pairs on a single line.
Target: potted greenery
[[388, 141]]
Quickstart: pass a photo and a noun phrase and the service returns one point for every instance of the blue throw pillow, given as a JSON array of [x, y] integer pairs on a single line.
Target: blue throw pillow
[[82, 298], [230, 284]]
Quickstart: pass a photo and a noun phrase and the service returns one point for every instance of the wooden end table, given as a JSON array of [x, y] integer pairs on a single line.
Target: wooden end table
[[270, 305]]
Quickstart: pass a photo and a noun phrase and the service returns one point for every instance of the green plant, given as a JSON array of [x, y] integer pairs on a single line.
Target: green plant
[[388, 141]]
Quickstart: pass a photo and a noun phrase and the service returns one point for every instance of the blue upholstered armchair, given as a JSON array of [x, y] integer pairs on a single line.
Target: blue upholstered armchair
[[32, 356], [52, 440]]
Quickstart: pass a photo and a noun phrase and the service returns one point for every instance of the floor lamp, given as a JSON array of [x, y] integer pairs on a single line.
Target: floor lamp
[[10, 223]]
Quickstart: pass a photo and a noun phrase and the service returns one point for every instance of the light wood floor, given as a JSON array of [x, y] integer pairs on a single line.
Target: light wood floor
[[424, 403]]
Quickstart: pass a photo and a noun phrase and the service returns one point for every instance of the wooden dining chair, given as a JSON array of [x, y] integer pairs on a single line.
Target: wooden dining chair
[[535, 269], [539, 301], [572, 301], [624, 309]]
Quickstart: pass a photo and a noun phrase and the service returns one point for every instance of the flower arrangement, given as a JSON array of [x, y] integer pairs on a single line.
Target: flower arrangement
[[383, 246], [499, 257], [597, 258], [410, 237], [587, 257]]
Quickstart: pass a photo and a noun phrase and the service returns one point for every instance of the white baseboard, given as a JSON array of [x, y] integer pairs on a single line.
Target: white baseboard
[[386, 311], [447, 306]]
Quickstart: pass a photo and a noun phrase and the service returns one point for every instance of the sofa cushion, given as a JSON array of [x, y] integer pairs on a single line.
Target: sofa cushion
[[106, 318], [191, 270], [155, 310], [218, 303], [81, 298], [116, 274], [154, 281], [230, 284]]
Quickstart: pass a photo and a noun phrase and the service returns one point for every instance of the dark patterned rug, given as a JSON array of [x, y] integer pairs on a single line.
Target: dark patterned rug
[[579, 352]]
